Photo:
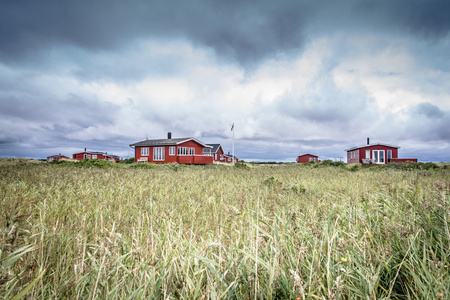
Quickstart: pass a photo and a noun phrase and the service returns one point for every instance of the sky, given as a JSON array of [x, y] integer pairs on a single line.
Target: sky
[[294, 77]]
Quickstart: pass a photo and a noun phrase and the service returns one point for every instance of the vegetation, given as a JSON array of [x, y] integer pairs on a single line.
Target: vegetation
[[313, 231]]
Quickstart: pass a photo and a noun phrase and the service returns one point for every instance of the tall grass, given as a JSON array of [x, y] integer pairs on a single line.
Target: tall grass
[[209, 232]]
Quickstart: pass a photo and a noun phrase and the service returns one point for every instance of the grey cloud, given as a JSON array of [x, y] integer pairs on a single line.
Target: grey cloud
[[429, 110], [73, 109], [328, 105], [428, 19], [428, 123], [244, 31]]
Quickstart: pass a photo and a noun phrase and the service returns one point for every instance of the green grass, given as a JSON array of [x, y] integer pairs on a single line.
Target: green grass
[[314, 231]]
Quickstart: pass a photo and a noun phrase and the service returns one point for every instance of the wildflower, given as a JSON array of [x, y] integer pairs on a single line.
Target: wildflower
[[344, 259], [441, 295]]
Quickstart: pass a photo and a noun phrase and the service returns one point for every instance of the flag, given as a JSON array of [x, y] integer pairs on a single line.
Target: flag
[[232, 127]]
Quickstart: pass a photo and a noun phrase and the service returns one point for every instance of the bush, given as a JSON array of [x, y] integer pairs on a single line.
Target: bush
[[128, 161], [241, 165], [332, 163], [409, 165], [142, 166], [96, 163]]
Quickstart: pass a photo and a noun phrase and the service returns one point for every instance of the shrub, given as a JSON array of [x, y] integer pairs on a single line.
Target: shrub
[[142, 166], [332, 163], [241, 165], [128, 161]]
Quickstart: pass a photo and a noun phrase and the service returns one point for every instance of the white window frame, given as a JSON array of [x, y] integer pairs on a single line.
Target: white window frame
[[85, 156], [94, 156], [145, 151], [367, 154], [191, 151], [171, 151], [183, 151], [379, 156], [158, 153]]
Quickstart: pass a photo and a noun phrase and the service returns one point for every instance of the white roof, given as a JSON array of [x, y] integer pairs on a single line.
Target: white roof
[[372, 145]]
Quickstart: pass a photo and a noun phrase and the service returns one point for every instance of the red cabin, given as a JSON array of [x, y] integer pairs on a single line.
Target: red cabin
[[178, 150], [229, 158], [305, 158], [95, 155], [378, 153], [56, 157], [216, 151]]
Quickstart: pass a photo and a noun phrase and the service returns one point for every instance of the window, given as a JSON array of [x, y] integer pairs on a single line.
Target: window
[[183, 150], [158, 153], [94, 156], [378, 156], [144, 151], [85, 156], [389, 155], [171, 150], [368, 154], [191, 151], [89, 156]]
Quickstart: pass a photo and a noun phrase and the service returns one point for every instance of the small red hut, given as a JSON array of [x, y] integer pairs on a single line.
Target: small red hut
[[216, 151], [95, 155], [56, 157], [305, 158]]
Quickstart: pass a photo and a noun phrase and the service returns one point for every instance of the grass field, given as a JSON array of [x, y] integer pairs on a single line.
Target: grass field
[[285, 231]]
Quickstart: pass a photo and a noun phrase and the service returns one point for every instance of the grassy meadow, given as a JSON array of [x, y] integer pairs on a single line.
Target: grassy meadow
[[282, 231]]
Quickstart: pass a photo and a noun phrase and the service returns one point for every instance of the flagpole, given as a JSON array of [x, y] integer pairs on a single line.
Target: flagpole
[[232, 158]]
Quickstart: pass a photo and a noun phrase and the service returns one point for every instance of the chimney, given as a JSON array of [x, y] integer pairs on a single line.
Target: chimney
[[169, 135], [84, 149], [368, 141]]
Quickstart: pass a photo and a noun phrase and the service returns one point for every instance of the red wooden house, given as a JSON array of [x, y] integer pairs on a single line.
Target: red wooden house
[[216, 151], [305, 158], [56, 157], [95, 155], [177, 150], [378, 153], [229, 158], [112, 158]]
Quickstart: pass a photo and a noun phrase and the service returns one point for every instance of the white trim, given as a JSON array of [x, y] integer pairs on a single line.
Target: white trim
[[377, 158], [172, 151], [372, 145], [145, 151], [158, 153], [183, 151]]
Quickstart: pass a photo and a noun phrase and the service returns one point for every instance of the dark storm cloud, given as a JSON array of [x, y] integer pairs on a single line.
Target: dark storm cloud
[[429, 19], [245, 31], [72, 110], [429, 123]]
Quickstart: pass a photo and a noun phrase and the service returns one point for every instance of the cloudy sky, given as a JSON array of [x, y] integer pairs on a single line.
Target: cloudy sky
[[293, 76]]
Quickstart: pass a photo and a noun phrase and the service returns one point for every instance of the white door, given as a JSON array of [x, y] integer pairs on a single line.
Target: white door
[[378, 156]]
